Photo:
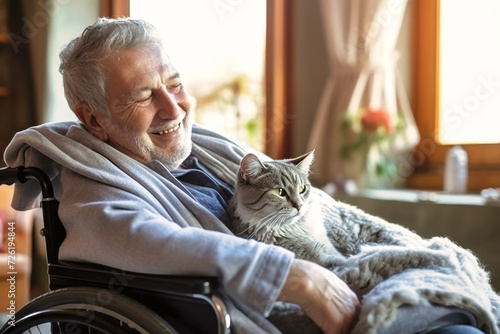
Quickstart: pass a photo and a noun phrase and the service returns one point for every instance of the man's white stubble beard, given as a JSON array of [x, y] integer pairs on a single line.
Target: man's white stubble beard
[[171, 160]]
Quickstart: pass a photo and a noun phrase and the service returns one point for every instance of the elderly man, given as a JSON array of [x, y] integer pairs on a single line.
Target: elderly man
[[142, 189]]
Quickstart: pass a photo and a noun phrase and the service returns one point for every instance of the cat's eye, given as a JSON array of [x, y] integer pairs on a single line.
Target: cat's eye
[[302, 189], [280, 192]]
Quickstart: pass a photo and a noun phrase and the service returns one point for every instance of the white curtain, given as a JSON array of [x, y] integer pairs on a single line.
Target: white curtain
[[363, 85]]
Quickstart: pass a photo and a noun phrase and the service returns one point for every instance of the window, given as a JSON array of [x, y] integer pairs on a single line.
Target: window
[[469, 110], [448, 114], [72, 18]]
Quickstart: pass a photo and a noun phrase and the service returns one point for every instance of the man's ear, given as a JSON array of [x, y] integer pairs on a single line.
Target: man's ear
[[91, 122]]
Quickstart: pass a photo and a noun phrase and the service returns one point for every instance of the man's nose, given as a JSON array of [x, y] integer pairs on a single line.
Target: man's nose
[[168, 105]]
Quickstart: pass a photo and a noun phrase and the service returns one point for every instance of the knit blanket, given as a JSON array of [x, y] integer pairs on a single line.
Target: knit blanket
[[389, 266]]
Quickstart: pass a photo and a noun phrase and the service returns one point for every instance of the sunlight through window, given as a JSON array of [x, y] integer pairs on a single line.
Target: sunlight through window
[[469, 72]]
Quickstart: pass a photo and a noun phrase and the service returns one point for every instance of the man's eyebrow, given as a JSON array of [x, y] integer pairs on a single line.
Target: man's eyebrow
[[173, 76]]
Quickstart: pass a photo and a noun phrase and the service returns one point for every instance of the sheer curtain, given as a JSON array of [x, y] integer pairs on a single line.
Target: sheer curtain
[[364, 116]]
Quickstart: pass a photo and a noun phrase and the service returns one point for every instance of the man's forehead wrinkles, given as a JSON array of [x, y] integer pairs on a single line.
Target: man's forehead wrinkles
[[164, 69]]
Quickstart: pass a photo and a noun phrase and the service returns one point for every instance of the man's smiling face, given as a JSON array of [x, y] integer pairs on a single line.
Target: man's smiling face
[[150, 111]]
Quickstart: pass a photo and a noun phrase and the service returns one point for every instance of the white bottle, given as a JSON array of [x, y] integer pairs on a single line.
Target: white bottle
[[455, 173]]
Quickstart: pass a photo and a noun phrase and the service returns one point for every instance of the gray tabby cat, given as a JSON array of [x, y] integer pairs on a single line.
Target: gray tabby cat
[[271, 204]]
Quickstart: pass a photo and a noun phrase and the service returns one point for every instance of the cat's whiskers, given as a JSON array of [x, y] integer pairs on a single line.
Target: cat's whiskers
[[254, 228], [259, 226], [251, 226], [270, 227]]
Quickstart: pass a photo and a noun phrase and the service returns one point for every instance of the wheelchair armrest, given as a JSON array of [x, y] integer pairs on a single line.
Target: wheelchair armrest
[[71, 273], [9, 175]]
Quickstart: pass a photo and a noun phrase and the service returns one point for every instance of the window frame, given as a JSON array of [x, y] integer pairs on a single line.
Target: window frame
[[115, 8], [278, 79], [430, 155]]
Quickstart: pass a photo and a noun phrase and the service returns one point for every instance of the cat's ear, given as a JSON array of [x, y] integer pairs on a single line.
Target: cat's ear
[[304, 162], [250, 165]]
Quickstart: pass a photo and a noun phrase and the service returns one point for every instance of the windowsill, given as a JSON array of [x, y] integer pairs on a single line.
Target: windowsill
[[479, 178], [425, 196]]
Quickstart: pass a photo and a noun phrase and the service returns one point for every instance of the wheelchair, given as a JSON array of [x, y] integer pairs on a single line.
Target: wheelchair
[[91, 298]]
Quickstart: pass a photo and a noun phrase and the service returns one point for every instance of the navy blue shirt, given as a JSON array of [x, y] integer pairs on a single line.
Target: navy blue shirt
[[211, 192]]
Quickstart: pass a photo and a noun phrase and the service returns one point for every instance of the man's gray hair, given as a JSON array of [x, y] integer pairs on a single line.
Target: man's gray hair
[[82, 60]]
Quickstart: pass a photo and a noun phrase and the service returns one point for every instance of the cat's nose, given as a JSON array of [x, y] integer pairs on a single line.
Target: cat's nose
[[297, 206]]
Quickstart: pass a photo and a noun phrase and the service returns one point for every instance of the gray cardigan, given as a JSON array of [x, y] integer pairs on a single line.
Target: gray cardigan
[[124, 214]]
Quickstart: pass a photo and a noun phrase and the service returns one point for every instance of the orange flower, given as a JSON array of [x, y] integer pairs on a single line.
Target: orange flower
[[372, 119]]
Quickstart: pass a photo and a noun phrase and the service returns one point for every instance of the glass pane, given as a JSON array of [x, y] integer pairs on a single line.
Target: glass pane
[[71, 19], [469, 72], [218, 48]]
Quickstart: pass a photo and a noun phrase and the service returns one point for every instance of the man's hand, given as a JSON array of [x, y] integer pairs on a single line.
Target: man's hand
[[326, 299]]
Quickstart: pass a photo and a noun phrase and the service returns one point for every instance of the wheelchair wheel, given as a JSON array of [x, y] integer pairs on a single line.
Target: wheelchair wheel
[[86, 310]]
